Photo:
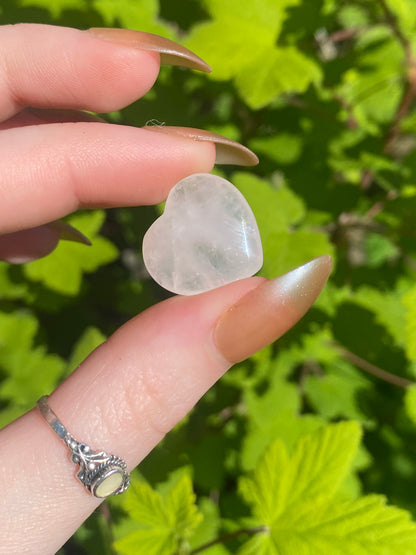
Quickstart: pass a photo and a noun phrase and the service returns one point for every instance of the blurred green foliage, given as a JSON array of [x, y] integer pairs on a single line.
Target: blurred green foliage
[[323, 91]]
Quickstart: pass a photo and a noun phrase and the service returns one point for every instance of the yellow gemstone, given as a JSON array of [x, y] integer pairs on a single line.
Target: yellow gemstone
[[109, 484]]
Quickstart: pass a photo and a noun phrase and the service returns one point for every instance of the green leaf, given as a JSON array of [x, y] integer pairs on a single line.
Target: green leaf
[[9, 289], [296, 498], [165, 521], [248, 52], [388, 308], [275, 72], [404, 12], [278, 211], [281, 487], [285, 251], [379, 250], [56, 7], [275, 208], [62, 270], [268, 14], [29, 370], [283, 148], [335, 393], [133, 14], [372, 85], [208, 528]]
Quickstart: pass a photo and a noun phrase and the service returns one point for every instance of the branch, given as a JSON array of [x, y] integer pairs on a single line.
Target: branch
[[410, 86], [230, 536], [392, 21], [373, 370], [409, 93]]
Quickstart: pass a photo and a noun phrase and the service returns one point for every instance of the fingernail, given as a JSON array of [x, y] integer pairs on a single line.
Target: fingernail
[[171, 53], [268, 311], [68, 233], [227, 151]]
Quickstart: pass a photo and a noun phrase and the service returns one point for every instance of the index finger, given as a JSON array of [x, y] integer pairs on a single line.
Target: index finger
[[101, 70]]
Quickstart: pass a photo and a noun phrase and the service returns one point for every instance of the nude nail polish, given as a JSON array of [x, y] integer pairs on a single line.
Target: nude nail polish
[[67, 232], [268, 311], [171, 53], [227, 150]]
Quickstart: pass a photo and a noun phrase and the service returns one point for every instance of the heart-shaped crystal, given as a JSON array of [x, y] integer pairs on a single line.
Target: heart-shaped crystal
[[207, 237]]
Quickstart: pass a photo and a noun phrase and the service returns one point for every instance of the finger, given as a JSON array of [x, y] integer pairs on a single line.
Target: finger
[[59, 67], [51, 170], [132, 390], [30, 244], [39, 116]]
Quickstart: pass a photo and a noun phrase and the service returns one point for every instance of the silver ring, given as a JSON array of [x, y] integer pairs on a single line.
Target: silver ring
[[101, 474]]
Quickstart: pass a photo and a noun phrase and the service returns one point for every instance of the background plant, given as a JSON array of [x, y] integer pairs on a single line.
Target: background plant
[[295, 449]]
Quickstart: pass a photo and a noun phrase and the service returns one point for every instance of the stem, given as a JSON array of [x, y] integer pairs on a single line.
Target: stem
[[347, 34], [410, 85], [409, 93], [374, 370], [392, 22], [230, 536]]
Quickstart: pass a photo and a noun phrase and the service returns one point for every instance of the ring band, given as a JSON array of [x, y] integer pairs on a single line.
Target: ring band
[[101, 474]]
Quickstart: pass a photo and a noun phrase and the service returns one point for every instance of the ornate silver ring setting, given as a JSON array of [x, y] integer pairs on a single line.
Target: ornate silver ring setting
[[100, 473]]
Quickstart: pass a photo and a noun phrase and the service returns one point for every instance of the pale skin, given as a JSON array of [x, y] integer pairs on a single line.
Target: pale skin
[[135, 387]]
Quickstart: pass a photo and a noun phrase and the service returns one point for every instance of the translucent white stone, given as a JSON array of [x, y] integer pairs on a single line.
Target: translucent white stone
[[207, 237], [110, 484]]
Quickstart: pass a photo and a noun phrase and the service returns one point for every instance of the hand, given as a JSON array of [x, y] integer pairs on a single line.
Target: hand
[[53, 160]]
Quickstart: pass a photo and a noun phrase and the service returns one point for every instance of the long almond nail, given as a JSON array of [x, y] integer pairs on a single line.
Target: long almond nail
[[268, 311], [171, 53], [68, 233], [227, 151]]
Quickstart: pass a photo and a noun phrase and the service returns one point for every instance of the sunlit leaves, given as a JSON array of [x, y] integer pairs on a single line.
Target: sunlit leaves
[[248, 51], [279, 212], [165, 521], [28, 371], [57, 6], [141, 15], [295, 496], [62, 270], [313, 87]]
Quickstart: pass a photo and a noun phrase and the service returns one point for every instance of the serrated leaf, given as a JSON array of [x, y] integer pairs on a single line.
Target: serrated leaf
[[274, 72], [296, 498], [248, 52], [310, 477], [29, 370], [165, 521], [62, 270], [208, 529], [242, 39], [373, 85], [335, 393], [387, 307], [181, 508]]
